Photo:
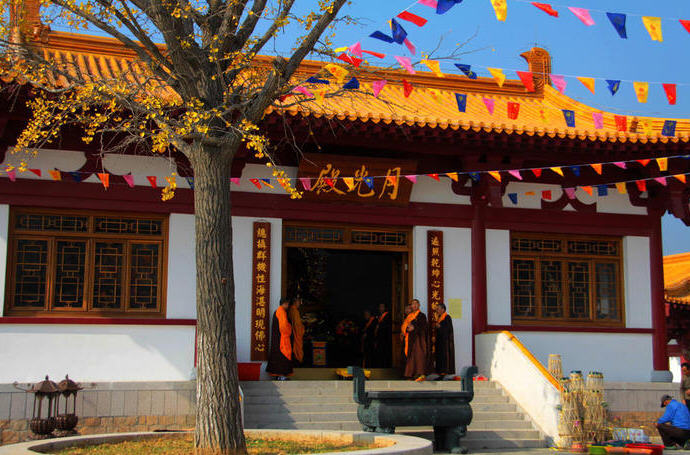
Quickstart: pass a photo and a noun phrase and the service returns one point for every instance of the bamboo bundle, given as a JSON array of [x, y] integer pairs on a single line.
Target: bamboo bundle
[[555, 365]]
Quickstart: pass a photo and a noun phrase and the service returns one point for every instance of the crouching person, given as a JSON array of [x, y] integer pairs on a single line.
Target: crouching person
[[674, 425]]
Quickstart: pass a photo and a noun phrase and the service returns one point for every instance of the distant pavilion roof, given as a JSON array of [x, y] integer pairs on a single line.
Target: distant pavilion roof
[[677, 278]]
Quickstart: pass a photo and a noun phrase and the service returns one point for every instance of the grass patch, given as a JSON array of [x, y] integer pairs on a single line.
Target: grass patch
[[184, 446]]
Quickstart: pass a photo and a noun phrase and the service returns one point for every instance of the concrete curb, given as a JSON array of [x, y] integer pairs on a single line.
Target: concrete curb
[[407, 445]]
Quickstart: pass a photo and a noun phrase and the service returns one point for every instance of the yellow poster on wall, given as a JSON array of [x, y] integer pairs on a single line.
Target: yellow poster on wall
[[455, 308]]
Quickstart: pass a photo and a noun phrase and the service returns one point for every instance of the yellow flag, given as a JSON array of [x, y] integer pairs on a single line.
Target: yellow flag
[[340, 49], [496, 175], [337, 71], [587, 82], [434, 66], [497, 73], [350, 182], [319, 94], [596, 167], [621, 187], [453, 176], [663, 163], [641, 90], [558, 171], [653, 25], [680, 177], [501, 8], [436, 93]]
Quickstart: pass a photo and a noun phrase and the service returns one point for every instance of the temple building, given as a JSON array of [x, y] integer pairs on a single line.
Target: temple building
[[677, 296], [521, 209]]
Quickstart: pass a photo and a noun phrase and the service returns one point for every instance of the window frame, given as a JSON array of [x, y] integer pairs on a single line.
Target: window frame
[[90, 237], [564, 257]]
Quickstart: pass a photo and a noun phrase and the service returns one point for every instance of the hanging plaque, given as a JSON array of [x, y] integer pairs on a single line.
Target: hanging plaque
[[261, 274], [434, 277]]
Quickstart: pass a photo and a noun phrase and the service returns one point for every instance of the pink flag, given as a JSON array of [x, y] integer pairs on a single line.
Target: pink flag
[[515, 174], [411, 178], [12, 174], [621, 164], [598, 118], [306, 183], [489, 103], [377, 86], [303, 91], [129, 178], [582, 14], [356, 49], [405, 63], [410, 46], [235, 180], [429, 3], [559, 81], [570, 192], [661, 180]]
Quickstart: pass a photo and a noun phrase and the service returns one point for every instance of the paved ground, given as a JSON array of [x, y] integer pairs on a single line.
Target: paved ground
[[544, 452]]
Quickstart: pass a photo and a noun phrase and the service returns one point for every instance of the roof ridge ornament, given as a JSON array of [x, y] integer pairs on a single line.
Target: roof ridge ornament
[[539, 63]]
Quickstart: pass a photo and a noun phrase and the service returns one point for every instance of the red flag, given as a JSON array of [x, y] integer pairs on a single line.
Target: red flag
[[152, 180], [409, 17], [434, 176], [375, 54], [282, 98], [588, 189], [354, 61], [621, 122], [546, 194], [670, 90], [548, 9], [36, 171], [407, 88], [643, 162], [641, 185], [537, 172], [527, 79], [513, 110], [686, 24], [256, 183], [105, 179]]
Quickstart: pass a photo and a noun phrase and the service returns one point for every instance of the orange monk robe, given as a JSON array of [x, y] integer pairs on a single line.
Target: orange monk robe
[[406, 335], [297, 333], [280, 355]]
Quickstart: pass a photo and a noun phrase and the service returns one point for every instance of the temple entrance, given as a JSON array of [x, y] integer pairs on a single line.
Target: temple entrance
[[340, 272]]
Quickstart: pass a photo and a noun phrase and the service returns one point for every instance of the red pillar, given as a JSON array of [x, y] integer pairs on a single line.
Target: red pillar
[[656, 266], [479, 312]]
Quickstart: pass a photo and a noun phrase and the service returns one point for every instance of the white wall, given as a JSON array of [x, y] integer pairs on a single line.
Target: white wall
[[637, 281], [4, 226], [498, 277], [96, 352], [181, 294], [457, 262], [429, 190]]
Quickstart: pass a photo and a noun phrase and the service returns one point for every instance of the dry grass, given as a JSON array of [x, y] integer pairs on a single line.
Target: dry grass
[[184, 446]]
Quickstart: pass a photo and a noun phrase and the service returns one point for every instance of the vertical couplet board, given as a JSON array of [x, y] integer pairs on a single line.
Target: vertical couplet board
[[261, 295], [434, 253]]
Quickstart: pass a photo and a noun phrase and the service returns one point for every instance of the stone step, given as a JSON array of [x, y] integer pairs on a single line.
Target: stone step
[[378, 385], [287, 403], [476, 440], [289, 400], [476, 425], [343, 425]]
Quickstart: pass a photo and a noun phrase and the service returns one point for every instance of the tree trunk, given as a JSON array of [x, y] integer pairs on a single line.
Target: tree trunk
[[218, 418]]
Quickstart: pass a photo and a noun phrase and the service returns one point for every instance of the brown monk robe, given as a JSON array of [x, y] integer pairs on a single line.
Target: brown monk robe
[[280, 357], [445, 343], [368, 340], [415, 343], [382, 335], [297, 330]]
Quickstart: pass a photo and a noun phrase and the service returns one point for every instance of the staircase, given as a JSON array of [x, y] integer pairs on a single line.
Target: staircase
[[498, 423]]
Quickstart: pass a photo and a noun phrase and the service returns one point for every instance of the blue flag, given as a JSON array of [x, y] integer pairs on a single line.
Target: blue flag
[[513, 198], [467, 70], [76, 176], [475, 176], [444, 5], [382, 36], [461, 98], [399, 33], [316, 80], [669, 128], [618, 22], [576, 170], [602, 190], [569, 117], [370, 182], [190, 181], [613, 86], [352, 84]]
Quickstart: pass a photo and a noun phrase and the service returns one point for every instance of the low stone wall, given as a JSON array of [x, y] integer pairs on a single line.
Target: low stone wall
[[107, 408]]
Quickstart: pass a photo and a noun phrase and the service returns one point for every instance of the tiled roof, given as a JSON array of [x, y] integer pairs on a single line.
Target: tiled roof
[[677, 278]]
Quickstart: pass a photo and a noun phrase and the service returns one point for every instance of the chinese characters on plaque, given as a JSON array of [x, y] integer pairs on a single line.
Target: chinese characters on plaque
[[434, 276], [362, 184], [261, 272]]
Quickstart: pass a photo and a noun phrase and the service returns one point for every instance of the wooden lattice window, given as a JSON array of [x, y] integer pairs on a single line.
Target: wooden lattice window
[[566, 279], [85, 263]]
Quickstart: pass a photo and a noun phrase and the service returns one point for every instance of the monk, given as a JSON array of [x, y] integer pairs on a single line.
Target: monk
[[415, 343], [382, 335], [368, 339], [445, 343], [297, 330], [403, 335], [280, 356]]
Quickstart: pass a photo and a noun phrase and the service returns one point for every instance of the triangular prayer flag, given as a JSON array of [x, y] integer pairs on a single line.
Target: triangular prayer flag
[[434, 66], [527, 79], [350, 182], [303, 90], [513, 110], [434, 176], [375, 54], [569, 117], [190, 182], [407, 88], [12, 175], [515, 173], [37, 172], [662, 163], [536, 172], [453, 176], [497, 73], [670, 90], [587, 82], [643, 162], [559, 81], [76, 176], [352, 84], [489, 103], [620, 164], [105, 179], [597, 167], [152, 180], [641, 185], [351, 60], [316, 80], [356, 49], [320, 94], [546, 195], [582, 14], [570, 192], [557, 170], [501, 9], [575, 170], [306, 183], [669, 128], [411, 178], [461, 99], [513, 198], [399, 33], [55, 174], [392, 179], [256, 183], [685, 24], [410, 17], [235, 180], [369, 181], [442, 6], [267, 182], [382, 36], [602, 190], [588, 190], [618, 22], [661, 180], [405, 63], [496, 175], [680, 177], [548, 9], [467, 69], [621, 122], [653, 26], [429, 3], [613, 86], [641, 90], [377, 86], [282, 98], [620, 186], [436, 94], [337, 71], [410, 47], [598, 119], [530, 193], [475, 176]]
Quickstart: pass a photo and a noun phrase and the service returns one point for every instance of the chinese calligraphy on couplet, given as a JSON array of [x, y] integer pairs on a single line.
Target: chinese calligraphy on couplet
[[261, 271], [435, 275]]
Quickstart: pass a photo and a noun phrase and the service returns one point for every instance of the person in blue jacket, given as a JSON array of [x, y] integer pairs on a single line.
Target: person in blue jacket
[[674, 425]]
